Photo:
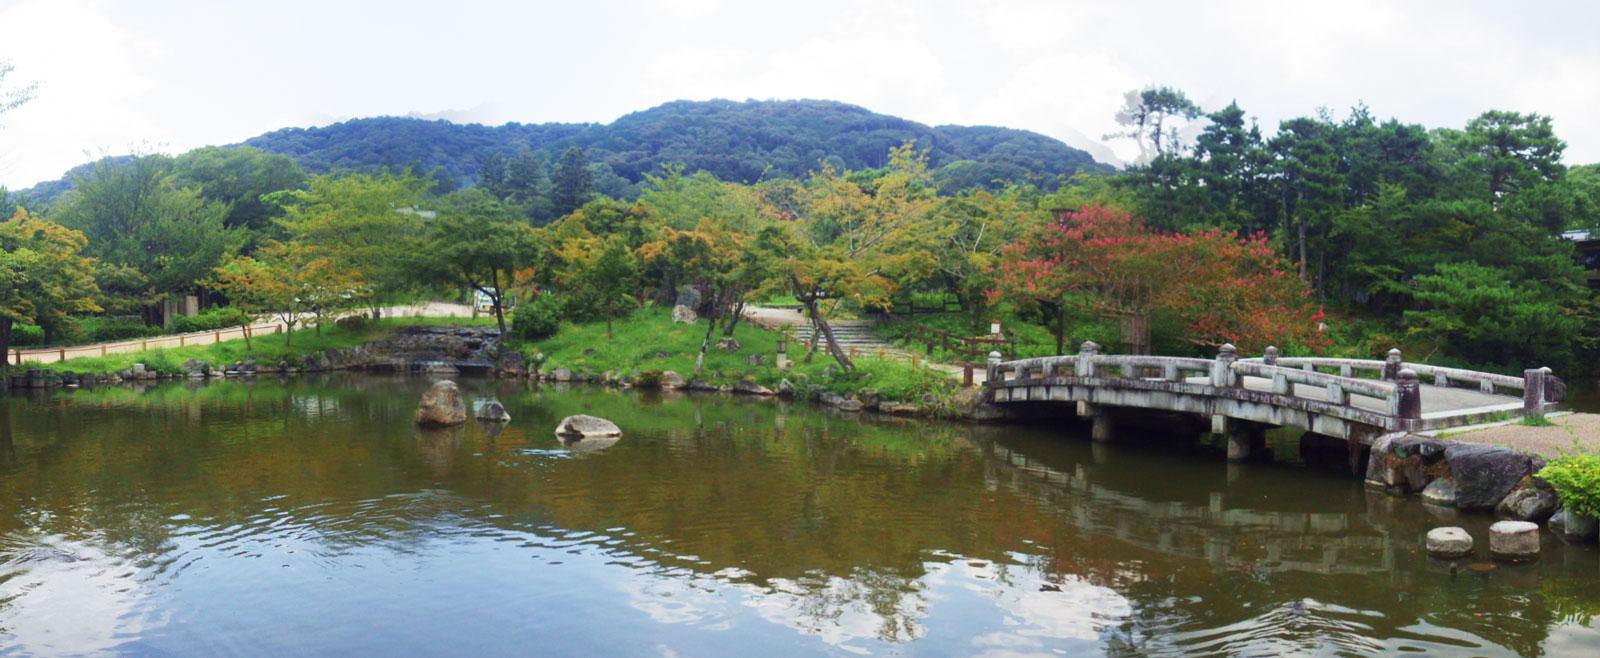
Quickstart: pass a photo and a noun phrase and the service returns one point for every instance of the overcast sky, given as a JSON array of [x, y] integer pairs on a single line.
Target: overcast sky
[[173, 75]]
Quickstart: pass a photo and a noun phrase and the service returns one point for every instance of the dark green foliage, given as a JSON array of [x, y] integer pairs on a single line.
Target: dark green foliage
[[538, 318], [1576, 479], [26, 335], [570, 184], [111, 329], [211, 319], [736, 141], [240, 176]]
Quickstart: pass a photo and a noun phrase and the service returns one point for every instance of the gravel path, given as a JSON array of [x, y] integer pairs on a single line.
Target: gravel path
[[1569, 433], [54, 354]]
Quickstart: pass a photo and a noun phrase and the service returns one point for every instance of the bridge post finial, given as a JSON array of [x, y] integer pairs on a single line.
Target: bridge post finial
[[1085, 364], [1271, 356], [1392, 365], [1408, 399], [1222, 369], [992, 371]]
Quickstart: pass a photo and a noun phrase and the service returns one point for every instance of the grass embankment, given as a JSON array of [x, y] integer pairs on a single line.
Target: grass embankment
[[266, 348], [640, 340]]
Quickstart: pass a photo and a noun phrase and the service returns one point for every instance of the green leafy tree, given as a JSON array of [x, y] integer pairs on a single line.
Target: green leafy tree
[[162, 238], [240, 176], [571, 183], [475, 242], [358, 223], [1148, 114], [43, 277]]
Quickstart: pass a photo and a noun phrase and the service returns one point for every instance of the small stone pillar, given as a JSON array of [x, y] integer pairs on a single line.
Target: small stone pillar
[[992, 374], [1271, 356], [1408, 399], [1449, 543], [1222, 368], [783, 352], [1533, 393], [1514, 540], [1086, 354], [1392, 365]]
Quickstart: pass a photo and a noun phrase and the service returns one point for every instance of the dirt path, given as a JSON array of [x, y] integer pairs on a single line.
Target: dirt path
[[784, 317], [54, 354], [1567, 434]]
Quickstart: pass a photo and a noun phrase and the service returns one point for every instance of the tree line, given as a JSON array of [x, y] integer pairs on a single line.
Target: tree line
[[1346, 235]]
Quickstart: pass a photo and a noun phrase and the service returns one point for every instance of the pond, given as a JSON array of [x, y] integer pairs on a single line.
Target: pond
[[309, 517]]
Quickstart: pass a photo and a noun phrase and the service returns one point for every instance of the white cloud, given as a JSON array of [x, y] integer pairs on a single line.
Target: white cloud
[[90, 88]]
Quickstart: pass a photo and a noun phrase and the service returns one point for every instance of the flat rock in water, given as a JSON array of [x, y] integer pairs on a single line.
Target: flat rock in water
[[583, 426], [441, 406], [493, 411], [1449, 543], [1514, 540]]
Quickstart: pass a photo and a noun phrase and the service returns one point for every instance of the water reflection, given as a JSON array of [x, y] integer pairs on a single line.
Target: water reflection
[[715, 524]]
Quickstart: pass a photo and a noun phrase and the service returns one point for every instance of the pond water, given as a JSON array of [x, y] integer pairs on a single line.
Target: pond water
[[309, 517]]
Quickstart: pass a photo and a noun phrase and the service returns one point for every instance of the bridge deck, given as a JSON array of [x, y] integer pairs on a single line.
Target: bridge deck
[[1437, 401]]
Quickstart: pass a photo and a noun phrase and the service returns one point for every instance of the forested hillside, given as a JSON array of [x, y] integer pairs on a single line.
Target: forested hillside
[[736, 141]]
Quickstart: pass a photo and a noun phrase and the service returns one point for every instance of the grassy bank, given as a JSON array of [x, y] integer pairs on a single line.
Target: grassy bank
[[266, 348], [649, 340]]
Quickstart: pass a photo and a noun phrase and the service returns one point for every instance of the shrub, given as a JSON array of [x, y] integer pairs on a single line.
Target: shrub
[[24, 335], [353, 323], [211, 319], [648, 379], [110, 329], [537, 318], [1576, 479]]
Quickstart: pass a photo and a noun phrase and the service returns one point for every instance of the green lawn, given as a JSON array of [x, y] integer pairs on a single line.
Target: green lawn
[[639, 341]]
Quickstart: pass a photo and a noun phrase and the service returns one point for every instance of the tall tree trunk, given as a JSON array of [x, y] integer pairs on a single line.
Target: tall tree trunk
[[5, 343], [700, 361], [827, 334], [1061, 329], [500, 313], [733, 319], [244, 329]]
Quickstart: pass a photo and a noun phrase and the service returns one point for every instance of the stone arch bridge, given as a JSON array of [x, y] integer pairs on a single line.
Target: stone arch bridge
[[1352, 399]]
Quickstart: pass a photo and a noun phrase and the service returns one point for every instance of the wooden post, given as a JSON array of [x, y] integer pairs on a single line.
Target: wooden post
[[913, 362], [218, 334], [182, 339], [1533, 393], [102, 349], [966, 375], [61, 355], [144, 344]]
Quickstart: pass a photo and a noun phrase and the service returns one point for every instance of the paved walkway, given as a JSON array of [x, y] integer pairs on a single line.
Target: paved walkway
[[1568, 433], [54, 354]]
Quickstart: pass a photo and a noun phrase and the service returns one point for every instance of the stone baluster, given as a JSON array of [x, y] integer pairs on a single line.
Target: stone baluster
[[1392, 365], [992, 373], [1222, 369], [1406, 405], [1270, 357], [1086, 354]]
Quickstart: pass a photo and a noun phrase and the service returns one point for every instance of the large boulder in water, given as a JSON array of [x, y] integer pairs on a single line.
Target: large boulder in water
[[1485, 474], [441, 406], [582, 426]]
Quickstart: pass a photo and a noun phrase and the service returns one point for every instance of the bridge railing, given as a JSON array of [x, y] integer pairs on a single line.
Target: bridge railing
[[1485, 382], [1392, 383]]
